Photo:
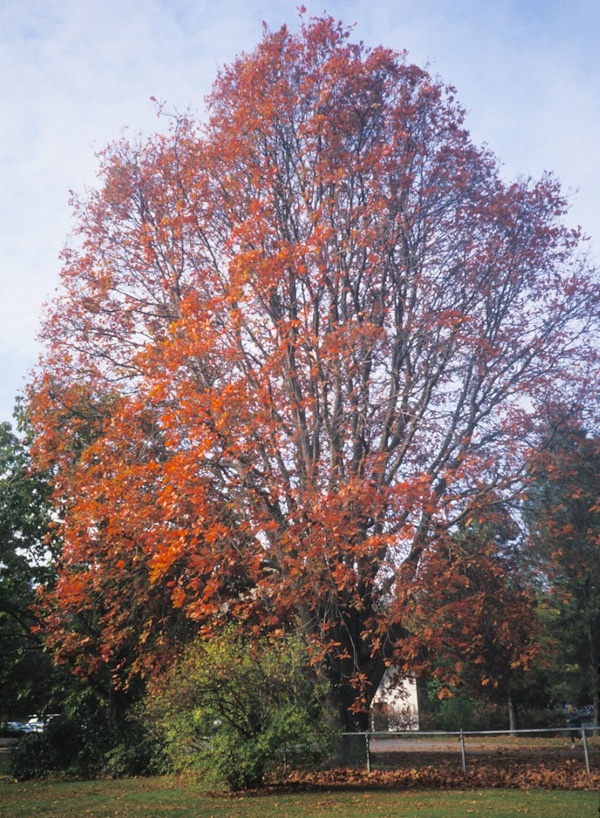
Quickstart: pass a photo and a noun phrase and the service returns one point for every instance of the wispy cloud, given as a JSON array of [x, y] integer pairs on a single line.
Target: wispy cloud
[[73, 74]]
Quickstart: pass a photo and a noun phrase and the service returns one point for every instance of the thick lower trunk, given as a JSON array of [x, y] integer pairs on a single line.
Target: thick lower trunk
[[351, 722], [352, 699], [354, 667]]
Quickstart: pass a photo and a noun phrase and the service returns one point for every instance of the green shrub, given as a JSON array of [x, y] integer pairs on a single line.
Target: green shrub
[[456, 714], [87, 741], [59, 748], [232, 709]]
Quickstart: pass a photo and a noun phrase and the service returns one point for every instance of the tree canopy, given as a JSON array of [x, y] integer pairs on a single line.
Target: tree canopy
[[294, 347]]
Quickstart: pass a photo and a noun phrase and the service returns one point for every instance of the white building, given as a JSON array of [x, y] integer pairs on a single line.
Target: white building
[[395, 706]]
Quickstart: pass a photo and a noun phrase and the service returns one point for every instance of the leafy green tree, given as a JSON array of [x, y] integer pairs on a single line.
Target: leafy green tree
[[27, 552], [231, 708], [563, 513], [95, 733]]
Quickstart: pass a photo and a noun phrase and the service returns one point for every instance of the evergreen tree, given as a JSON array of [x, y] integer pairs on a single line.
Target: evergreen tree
[[27, 552], [563, 513]]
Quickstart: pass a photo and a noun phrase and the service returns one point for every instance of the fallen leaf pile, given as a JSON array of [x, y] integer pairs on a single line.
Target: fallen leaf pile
[[567, 777]]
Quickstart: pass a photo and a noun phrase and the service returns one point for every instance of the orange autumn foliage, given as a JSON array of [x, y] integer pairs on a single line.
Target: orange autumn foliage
[[292, 346]]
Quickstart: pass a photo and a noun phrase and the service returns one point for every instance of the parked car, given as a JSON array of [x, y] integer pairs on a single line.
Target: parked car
[[15, 728], [37, 724], [34, 725]]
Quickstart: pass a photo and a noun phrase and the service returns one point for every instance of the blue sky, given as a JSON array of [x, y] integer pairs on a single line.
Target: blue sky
[[75, 73]]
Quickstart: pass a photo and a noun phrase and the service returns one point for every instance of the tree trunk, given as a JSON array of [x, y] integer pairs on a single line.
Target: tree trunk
[[513, 716], [345, 691], [344, 695]]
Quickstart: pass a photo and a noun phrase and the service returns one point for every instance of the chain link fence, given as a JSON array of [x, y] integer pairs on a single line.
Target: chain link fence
[[467, 750], [453, 752]]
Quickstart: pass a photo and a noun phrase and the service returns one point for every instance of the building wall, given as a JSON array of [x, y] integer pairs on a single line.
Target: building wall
[[395, 706]]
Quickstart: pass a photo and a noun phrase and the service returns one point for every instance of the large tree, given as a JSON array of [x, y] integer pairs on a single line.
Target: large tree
[[293, 348], [479, 574], [563, 513], [27, 547]]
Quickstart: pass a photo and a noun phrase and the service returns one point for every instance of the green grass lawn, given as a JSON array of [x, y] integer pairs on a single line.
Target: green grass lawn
[[175, 798]]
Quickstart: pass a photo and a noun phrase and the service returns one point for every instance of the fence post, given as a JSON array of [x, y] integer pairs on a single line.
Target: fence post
[[462, 752], [585, 750], [368, 743]]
